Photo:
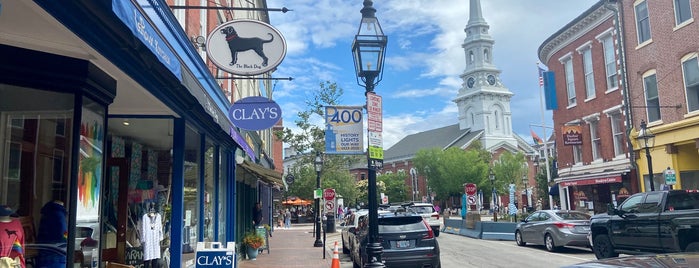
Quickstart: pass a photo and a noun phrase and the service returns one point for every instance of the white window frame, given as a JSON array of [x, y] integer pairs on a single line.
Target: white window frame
[[655, 105], [616, 126], [679, 6], [589, 73], [642, 22], [595, 141], [690, 93], [606, 38], [577, 154], [181, 14], [567, 62]]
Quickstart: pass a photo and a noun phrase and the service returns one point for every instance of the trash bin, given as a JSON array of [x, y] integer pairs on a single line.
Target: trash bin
[[330, 222]]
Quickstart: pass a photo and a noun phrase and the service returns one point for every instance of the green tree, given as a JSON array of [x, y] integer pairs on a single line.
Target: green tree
[[363, 191], [396, 189], [509, 168], [309, 139], [448, 170]]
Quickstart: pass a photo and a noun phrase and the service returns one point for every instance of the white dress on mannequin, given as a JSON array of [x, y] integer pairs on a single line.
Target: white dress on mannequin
[[151, 235]]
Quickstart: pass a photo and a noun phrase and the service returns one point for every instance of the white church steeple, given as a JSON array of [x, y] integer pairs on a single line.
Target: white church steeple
[[483, 101]]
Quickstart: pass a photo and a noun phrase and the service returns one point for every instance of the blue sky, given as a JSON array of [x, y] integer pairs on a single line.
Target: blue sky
[[424, 57]]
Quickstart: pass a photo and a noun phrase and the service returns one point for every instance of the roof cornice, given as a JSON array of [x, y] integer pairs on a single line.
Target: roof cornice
[[591, 18]]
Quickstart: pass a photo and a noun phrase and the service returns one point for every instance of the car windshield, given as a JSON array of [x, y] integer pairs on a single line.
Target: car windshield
[[423, 209], [573, 215], [401, 224]]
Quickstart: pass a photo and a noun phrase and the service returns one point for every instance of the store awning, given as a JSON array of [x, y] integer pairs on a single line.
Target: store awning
[[265, 174]]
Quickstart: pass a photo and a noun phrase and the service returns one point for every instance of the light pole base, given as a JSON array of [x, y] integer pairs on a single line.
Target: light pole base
[[318, 243], [374, 250]]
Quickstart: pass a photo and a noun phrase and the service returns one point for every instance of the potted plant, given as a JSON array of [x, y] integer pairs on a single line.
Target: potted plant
[[252, 242]]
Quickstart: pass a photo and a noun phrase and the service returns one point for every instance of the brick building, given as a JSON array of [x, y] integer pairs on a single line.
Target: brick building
[[594, 166], [663, 78]]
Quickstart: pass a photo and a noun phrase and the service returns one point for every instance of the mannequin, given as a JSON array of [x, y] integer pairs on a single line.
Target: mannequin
[[151, 235], [11, 236]]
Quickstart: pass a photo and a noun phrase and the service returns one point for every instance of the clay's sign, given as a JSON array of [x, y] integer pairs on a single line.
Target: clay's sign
[[246, 47], [255, 113]]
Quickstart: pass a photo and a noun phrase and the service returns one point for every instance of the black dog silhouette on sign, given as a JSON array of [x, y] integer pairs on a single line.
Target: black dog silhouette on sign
[[240, 44]]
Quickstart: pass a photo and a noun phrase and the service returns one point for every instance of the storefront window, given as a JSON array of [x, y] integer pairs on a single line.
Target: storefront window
[[690, 179], [191, 195], [209, 193], [139, 155], [222, 197], [35, 171]]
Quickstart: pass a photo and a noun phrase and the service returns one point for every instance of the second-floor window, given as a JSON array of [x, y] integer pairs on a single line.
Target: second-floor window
[[570, 81], [589, 74], [595, 140], [610, 62], [617, 133], [642, 22], [577, 154], [690, 68], [650, 85], [683, 11]]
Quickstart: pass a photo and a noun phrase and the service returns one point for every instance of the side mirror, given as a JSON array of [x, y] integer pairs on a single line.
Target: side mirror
[[524, 220]]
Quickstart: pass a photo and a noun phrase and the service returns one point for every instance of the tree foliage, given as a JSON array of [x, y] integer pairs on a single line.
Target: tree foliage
[[448, 170], [395, 186], [308, 139], [509, 168]]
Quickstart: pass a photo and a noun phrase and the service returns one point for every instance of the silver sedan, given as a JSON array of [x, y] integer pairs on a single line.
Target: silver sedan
[[554, 229]]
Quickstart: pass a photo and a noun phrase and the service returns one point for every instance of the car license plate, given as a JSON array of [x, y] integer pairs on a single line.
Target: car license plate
[[402, 244]]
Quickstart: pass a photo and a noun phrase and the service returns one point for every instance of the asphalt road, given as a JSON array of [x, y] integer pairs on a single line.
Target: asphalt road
[[461, 251]]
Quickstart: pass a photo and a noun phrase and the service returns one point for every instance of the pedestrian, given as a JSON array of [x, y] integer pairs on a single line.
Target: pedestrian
[[257, 214], [436, 208], [287, 219], [340, 212]]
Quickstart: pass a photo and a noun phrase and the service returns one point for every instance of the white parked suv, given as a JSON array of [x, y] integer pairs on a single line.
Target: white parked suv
[[427, 211]]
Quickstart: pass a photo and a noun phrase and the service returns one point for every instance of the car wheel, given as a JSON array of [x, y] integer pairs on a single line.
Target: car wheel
[[603, 247], [345, 250], [692, 247], [518, 238], [550, 244]]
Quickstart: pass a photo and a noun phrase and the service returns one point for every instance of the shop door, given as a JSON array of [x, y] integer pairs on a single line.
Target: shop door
[[117, 189]]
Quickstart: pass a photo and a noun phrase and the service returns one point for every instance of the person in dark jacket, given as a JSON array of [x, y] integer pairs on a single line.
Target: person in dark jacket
[[257, 214], [53, 229]]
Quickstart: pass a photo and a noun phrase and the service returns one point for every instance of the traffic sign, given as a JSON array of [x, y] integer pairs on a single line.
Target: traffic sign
[[470, 189], [374, 112], [329, 194], [670, 177], [471, 199], [329, 206]]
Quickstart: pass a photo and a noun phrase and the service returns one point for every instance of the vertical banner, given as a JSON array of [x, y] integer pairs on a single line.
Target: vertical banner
[[344, 130]]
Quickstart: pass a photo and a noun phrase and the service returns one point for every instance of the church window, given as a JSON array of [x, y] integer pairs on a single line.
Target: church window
[[471, 57], [497, 120], [473, 120], [485, 55]]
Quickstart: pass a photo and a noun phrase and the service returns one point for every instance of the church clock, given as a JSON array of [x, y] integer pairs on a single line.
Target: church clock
[[470, 82], [491, 80]]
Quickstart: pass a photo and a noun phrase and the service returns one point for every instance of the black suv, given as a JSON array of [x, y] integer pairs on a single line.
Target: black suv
[[407, 241]]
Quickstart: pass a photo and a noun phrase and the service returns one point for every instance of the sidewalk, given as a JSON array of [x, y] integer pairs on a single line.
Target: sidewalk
[[294, 248]]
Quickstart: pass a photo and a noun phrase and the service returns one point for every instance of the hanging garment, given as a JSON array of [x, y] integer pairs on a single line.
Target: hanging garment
[[151, 235]]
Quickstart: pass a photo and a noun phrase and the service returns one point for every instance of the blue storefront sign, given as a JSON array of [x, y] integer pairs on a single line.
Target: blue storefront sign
[[255, 113], [144, 31], [214, 255]]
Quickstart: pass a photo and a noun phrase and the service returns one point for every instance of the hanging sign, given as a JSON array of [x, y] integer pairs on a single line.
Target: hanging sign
[[255, 113], [246, 47], [344, 130], [572, 135]]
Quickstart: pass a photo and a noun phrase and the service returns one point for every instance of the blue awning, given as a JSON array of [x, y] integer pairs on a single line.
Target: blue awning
[[554, 189]]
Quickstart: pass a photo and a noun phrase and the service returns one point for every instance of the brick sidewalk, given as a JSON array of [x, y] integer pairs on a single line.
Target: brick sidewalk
[[294, 248]]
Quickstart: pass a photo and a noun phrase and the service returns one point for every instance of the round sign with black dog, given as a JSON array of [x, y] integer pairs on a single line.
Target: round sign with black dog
[[246, 47]]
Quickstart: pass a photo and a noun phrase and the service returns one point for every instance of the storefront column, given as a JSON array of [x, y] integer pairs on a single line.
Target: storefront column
[[217, 184], [177, 193]]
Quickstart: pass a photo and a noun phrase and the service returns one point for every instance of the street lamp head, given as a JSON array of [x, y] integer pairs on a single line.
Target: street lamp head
[[645, 136], [318, 162], [368, 48]]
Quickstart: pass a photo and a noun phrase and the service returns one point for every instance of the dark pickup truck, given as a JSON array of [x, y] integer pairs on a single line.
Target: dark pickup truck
[[650, 222]]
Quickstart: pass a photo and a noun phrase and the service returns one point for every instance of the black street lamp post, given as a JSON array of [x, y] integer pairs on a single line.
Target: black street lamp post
[[647, 140], [494, 205], [525, 202], [368, 51], [318, 163]]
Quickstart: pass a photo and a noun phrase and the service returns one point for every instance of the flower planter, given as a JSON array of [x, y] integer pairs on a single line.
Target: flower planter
[[252, 253]]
